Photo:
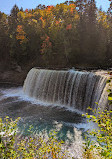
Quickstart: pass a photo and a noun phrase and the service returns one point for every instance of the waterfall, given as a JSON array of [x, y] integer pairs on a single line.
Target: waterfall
[[74, 89]]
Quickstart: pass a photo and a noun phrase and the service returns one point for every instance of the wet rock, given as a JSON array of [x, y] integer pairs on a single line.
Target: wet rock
[[18, 68]]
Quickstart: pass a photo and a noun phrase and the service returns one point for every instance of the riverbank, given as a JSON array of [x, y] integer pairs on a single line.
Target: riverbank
[[12, 78]]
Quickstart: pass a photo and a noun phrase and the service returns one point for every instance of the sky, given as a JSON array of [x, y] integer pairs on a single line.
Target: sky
[[6, 5]]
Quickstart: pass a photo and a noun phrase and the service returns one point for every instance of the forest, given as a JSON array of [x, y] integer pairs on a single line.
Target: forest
[[53, 105], [70, 34]]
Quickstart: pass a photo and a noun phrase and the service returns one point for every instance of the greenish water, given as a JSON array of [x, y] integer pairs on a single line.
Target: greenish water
[[41, 116], [69, 124]]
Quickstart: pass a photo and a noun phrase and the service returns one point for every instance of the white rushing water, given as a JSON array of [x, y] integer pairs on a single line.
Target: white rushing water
[[72, 89]]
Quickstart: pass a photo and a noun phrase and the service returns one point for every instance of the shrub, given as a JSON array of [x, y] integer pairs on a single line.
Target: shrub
[[13, 146], [109, 81], [8, 130], [99, 142]]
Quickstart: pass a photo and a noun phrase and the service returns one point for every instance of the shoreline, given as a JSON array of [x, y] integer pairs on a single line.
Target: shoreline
[[12, 78]]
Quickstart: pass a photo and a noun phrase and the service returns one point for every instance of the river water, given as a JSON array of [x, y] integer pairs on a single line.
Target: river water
[[44, 117]]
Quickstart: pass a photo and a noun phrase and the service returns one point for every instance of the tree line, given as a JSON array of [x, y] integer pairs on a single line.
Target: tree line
[[73, 33]]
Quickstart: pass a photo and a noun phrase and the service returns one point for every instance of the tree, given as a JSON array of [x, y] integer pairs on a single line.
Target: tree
[[4, 39], [77, 34], [13, 22]]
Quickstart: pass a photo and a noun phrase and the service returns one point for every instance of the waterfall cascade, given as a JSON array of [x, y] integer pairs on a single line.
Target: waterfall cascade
[[67, 88]]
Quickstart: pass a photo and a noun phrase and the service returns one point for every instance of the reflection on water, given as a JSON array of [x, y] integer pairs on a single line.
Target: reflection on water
[[69, 124]]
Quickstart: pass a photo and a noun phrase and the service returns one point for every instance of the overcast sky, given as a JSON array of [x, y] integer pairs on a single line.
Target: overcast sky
[[6, 5]]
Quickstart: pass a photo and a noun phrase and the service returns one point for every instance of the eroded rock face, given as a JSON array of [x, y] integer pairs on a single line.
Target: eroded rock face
[[18, 69], [12, 77], [15, 67]]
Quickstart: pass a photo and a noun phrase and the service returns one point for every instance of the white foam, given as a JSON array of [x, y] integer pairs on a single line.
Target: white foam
[[18, 92], [72, 70], [85, 125]]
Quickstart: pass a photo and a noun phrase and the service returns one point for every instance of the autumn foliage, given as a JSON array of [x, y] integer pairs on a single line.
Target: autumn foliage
[[21, 34], [68, 34]]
